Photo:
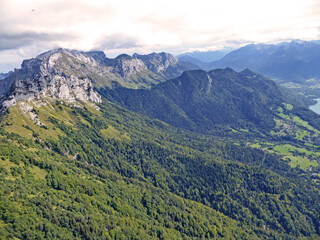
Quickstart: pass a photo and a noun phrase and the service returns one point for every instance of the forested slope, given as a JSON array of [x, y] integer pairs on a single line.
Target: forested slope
[[110, 173]]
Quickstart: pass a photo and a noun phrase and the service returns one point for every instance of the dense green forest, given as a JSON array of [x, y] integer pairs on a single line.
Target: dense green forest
[[109, 173], [205, 102]]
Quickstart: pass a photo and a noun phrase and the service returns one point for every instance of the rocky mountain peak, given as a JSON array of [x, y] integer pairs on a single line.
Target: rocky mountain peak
[[157, 62], [124, 56], [98, 56], [5, 75], [53, 61], [247, 71], [126, 65], [70, 75], [44, 76]]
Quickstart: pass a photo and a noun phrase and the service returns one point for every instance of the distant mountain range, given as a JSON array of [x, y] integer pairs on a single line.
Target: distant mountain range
[[295, 61], [195, 61], [202, 58]]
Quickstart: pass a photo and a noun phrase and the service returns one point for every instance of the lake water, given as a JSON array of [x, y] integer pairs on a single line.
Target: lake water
[[316, 107]]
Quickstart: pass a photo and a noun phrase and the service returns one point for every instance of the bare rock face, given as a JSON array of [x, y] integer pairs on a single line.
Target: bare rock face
[[154, 62], [127, 66], [157, 62], [43, 76], [70, 75]]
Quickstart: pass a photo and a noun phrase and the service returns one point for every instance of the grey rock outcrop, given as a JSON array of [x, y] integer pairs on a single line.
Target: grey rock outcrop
[[71, 75], [148, 69], [126, 65], [42, 77], [157, 62]]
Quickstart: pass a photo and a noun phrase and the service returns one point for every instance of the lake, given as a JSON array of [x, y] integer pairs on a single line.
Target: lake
[[316, 107]]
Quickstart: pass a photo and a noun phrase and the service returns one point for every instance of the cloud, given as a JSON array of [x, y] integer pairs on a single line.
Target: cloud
[[30, 26], [117, 41], [18, 40]]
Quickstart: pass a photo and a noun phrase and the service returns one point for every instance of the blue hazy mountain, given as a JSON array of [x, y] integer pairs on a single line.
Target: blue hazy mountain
[[295, 61], [5, 75], [207, 56], [202, 59]]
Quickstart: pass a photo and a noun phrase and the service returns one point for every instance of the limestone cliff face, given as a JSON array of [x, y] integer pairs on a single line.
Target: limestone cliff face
[[43, 76], [127, 66], [151, 68], [157, 62], [70, 75]]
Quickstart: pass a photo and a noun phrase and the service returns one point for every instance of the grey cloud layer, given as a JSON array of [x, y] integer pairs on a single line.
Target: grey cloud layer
[[30, 26], [18, 40], [117, 41]]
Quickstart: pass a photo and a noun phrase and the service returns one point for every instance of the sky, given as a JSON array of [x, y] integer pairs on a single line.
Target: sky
[[30, 27]]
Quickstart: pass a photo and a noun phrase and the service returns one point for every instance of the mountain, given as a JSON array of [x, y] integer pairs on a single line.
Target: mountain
[[143, 69], [201, 101], [206, 56], [5, 75], [294, 61], [76, 166], [195, 61], [202, 59], [43, 77], [130, 71], [5, 85]]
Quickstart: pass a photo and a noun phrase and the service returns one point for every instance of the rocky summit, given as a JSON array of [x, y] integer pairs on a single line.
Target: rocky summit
[[72, 75], [41, 77]]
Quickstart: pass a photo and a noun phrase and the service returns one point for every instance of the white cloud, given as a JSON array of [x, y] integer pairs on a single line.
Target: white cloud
[[33, 26]]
